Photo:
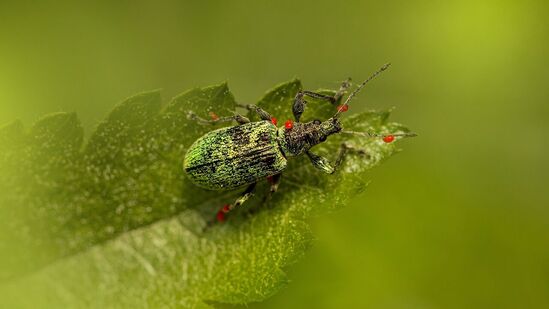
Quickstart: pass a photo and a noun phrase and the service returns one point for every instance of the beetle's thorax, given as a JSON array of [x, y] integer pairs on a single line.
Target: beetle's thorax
[[302, 136]]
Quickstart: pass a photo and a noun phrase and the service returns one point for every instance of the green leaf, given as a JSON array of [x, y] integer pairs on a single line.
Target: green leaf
[[115, 222]]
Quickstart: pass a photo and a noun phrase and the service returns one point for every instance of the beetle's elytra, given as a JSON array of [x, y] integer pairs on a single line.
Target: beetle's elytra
[[232, 157]]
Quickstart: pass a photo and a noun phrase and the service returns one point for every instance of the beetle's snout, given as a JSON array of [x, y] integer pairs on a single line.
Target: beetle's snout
[[331, 126]]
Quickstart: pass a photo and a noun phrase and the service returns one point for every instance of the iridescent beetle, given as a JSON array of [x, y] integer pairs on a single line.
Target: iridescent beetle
[[229, 158]]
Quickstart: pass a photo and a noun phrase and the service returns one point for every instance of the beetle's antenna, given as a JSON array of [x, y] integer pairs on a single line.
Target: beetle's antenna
[[343, 107], [371, 135]]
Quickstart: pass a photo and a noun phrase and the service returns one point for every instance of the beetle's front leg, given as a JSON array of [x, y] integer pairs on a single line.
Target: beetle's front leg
[[346, 84], [344, 149], [216, 119], [321, 163], [324, 164], [221, 214], [299, 102]]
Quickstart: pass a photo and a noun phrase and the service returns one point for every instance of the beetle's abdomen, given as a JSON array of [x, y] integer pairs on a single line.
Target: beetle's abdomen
[[230, 157]]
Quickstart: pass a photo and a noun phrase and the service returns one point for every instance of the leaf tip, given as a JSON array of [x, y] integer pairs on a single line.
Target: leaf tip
[[14, 130], [149, 96], [17, 124], [222, 88], [59, 117]]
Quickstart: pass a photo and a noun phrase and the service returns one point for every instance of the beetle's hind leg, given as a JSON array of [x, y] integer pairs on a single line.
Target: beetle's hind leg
[[275, 182], [216, 119], [222, 213], [299, 102]]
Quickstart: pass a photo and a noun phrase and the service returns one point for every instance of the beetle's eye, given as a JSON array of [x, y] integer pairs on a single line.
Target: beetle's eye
[[316, 121], [323, 138]]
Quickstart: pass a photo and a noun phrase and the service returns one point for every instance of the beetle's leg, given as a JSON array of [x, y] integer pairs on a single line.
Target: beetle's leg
[[274, 181], [299, 102], [236, 117], [264, 115], [344, 149], [221, 214], [324, 164], [299, 106], [346, 84], [321, 163]]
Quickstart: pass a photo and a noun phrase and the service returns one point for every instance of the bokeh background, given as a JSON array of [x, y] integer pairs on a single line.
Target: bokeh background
[[459, 219]]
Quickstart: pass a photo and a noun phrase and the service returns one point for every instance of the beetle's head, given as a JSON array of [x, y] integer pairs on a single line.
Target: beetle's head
[[304, 135], [299, 137], [316, 131], [329, 127]]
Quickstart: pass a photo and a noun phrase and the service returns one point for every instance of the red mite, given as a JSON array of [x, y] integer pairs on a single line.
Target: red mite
[[220, 216], [389, 138], [221, 213], [214, 116], [343, 108], [274, 121], [289, 124]]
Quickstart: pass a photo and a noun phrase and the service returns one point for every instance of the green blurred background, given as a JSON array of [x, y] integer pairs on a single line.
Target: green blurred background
[[460, 219]]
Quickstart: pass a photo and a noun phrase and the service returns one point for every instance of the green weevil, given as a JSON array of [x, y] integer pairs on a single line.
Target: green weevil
[[232, 157]]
